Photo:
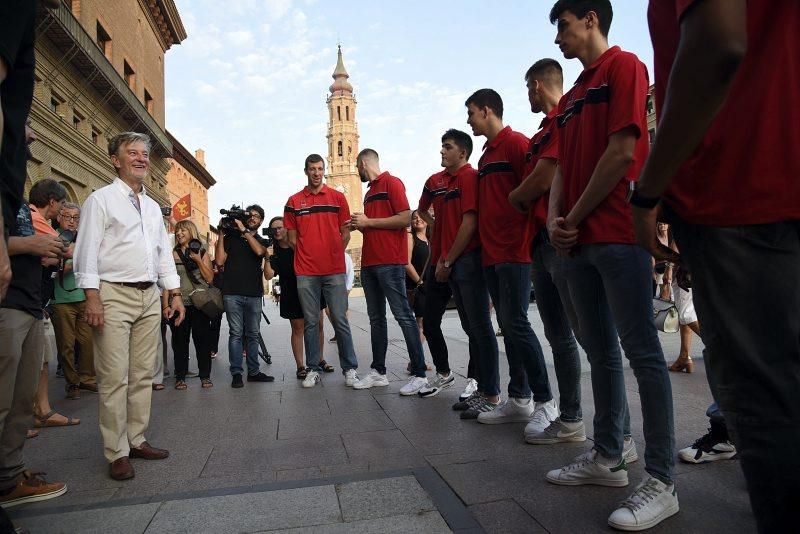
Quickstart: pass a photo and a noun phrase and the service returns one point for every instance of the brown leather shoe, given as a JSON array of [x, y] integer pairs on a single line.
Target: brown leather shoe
[[120, 469], [147, 452], [89, 387], [73, 392]]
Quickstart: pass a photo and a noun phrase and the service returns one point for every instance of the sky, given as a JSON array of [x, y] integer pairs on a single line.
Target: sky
[[249, 83]]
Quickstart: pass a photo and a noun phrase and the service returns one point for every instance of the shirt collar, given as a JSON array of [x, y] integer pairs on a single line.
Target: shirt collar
[[450, 177], [125, 188], [501, 136], [614, 50], [323, 190], [548, 118], [378, 179]]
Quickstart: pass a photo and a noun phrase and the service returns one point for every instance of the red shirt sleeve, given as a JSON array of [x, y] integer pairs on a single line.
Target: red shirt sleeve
[[397, 196], [344, 211], [425, 199], [288, 216], [468, 184], [517, 148], [628, 85], [550, 149]]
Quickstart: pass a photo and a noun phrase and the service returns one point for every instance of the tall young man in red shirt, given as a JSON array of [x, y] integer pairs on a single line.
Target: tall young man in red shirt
[[317, 219], [506, 259], [602, 145], [732, 195], [459, 263], [384, 255]]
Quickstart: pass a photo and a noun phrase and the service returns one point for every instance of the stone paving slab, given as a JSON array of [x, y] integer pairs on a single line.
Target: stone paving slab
[[428, 522], [123, 520]]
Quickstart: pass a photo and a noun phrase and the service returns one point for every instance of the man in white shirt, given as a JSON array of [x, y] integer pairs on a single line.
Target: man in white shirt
[[121, 252]]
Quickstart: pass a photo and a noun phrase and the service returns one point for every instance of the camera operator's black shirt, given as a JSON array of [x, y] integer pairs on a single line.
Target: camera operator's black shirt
[[243, 273], [16, 92]]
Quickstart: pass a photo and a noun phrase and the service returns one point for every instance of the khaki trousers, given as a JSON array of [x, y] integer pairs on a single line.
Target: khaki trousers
[[124, 359], [21, 351], [70, 328]]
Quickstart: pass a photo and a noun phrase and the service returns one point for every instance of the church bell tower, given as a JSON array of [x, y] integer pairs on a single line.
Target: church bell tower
[[343, 148]]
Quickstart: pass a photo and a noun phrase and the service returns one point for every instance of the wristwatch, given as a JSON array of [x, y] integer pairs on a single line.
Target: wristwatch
[[635, 199], [447, 264]]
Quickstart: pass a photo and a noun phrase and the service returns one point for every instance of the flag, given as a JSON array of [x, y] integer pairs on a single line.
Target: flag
[[182, 208]]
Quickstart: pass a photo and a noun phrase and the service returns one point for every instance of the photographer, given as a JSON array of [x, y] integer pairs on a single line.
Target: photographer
[[69, 304], [195, 271], [241, 251]]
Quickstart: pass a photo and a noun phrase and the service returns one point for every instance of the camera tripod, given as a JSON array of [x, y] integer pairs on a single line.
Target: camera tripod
[[263, 352]]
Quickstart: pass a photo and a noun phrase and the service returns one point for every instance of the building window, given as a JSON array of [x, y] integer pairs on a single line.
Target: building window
[[104, 41], [339, 113], [77, 120], [57, 104], [96, 135], [53, 104], [347, 112], [339, 148], [130, 76], [652, 133], [148, 102]]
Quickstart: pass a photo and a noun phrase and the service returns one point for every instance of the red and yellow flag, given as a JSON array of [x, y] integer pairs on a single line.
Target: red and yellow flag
[[182, 208]]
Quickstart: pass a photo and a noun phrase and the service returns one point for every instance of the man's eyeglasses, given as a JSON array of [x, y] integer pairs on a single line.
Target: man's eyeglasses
[[255, 216], [71, 217]]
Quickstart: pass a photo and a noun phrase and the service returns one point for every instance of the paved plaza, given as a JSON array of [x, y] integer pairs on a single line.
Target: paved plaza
[[278, 458]]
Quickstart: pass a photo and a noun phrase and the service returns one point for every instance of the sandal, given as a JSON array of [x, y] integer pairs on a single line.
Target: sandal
[[328, 368], [206, 383], [683, 364], [158, 387], [43, 421], [31, 434], [180, 384], [301, 373]]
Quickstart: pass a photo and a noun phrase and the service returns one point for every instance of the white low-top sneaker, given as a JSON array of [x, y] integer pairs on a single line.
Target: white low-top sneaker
[[629, 453], [350, 377], [414, 385], [586, 469], [650, 504], [708, 448], [437, 384], [544, 413], [556, 432], [311, 379], [511, 411], [373, 379], [469, 389]]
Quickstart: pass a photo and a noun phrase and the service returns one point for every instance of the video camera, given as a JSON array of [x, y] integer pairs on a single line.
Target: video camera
[[67, 236], [270, 235], [228, 222]]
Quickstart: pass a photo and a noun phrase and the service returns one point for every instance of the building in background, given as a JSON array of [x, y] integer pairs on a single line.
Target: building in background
[[343, 149], [99, 72], [651, 113], [188, 177]]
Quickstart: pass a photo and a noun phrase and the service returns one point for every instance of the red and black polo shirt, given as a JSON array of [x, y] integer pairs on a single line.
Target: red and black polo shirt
[[318, 219], [433, 195], [504, 232], [543, 145], [460, 197], [609, 96], [386, 196], [745, 170]]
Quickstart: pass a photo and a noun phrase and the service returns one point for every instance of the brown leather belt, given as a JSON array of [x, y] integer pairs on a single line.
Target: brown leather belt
[[141, 286]]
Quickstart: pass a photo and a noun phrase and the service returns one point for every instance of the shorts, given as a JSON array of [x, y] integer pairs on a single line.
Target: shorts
[[685, 305], [290, 304]]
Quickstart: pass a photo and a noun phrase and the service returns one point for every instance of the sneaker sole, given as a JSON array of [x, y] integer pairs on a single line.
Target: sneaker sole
[[370, 386], [35, 498], [669, 512], [630, 458], [500, 421], [707, 459], [309, 386], [551, 441], [610, 482], [409, 393]]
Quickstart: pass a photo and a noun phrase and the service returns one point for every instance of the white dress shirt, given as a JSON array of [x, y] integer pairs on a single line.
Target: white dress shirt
[[118, 242], [350, 275]]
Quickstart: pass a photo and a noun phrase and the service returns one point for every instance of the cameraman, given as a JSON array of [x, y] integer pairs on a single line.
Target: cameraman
[[242, 253], [195, 271]]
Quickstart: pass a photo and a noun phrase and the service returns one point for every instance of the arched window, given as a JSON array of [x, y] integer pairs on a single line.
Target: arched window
[[339, 112], [339, 148], [349, 150], [347, 112]]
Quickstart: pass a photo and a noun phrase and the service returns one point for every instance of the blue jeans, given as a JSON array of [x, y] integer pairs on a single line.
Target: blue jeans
[[558, 317], [384, 283], [472, 299], [332, 287], [244, 322], [610, 288], [510, 288]]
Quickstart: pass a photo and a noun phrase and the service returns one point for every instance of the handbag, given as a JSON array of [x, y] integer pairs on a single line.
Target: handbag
[[206, 298], [666, 315]]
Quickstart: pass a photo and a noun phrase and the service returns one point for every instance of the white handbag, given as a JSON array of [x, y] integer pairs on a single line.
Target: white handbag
[[666, 315]]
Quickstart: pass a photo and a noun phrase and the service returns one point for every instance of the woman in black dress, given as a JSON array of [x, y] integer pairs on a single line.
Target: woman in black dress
[[282, 263], [419, 251]]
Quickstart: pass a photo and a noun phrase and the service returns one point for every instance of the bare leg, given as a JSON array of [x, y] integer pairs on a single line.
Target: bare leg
[[297, 341], [41, 405]]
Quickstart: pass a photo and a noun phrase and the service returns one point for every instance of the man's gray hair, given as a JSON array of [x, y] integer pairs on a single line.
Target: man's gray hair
[[126, 138], [70, 206]]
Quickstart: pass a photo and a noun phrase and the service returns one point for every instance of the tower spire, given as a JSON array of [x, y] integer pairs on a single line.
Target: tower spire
[[340, 76]]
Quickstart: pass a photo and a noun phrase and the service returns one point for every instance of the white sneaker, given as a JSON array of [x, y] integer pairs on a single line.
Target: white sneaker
[[708, 448], [374, 378], [556, 432], [414, 385], [586, 469], [471, 387], [350, 377], [650, 504], [311, 379], [433, 387], [544, 413], [511, 411], [629, 453]]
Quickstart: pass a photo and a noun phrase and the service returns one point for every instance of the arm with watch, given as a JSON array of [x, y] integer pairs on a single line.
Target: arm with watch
[[468, 227]]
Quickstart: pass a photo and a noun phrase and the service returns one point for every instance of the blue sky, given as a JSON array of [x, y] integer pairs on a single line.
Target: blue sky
[[249, 83]]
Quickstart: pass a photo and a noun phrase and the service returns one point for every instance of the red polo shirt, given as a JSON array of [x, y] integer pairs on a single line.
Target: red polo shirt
[[461, 196], [543, 145], [504, 232], [746, 170], [433, 195], [317, 218], [609, 95], [386, 196]]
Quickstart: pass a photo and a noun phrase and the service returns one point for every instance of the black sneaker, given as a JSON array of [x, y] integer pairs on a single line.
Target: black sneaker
[[237, 381], [460, 406], [476, 408], [260, 377]]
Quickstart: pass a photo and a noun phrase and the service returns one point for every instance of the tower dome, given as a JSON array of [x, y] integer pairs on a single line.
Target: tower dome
[[340, 76]]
